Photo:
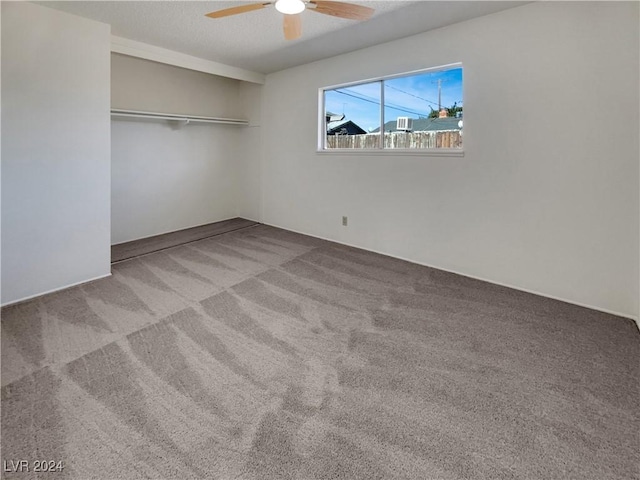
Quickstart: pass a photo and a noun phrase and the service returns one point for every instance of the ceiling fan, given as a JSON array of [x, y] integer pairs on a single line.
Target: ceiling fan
[[292, 24]]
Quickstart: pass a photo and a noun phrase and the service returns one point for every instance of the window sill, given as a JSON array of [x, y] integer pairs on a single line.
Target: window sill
[[390, 152]]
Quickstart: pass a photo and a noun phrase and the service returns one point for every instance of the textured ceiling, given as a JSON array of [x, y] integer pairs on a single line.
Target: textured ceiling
[[254, 40]]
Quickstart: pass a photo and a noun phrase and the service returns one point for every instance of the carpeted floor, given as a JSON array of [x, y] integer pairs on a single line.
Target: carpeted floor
[[266, 354], [135, 248]]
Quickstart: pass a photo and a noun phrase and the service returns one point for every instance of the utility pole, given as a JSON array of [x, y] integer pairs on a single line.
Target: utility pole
[[439, 94]]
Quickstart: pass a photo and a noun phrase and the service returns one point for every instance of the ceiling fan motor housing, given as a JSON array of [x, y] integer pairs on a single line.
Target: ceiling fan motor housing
[[290, 7]]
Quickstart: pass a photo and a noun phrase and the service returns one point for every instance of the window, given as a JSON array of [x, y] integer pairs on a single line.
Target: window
[[413, 111]]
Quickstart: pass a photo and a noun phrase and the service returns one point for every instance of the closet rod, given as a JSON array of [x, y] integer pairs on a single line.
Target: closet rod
[[179, 118]]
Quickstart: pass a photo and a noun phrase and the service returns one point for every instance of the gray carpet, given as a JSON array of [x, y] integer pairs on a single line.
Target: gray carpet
[[135, 248], [263, 354]]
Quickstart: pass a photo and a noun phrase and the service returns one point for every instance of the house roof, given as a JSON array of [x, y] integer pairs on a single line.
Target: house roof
[[426, 124], [348, 125]]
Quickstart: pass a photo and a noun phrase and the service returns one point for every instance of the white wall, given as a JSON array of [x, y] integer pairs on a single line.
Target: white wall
[[249, 151], [55, 150], [166, 178], [546, 196]]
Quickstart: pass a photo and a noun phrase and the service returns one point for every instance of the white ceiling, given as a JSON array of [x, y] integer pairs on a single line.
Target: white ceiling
[[254, 40]]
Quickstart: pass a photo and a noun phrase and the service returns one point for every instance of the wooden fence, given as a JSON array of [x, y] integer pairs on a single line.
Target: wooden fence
[[448, 139]]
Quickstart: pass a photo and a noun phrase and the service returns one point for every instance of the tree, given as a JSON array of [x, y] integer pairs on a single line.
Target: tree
[[451, 111]]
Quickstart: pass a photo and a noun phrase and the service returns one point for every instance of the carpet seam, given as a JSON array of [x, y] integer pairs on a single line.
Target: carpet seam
[[184, 243]]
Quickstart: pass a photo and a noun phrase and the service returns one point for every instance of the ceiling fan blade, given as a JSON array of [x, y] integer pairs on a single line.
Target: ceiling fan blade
[[236, 10], [342, 9], [292, 26]]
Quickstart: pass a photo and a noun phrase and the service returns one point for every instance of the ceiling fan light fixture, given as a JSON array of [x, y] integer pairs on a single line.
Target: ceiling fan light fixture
[[290, 7]]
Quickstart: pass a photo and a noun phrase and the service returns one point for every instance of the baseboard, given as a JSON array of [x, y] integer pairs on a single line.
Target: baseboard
[[526, 290], [533, 292], [30, 297], [249, 219]]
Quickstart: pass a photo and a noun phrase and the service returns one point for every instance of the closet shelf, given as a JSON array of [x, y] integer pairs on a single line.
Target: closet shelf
[[179, 118]]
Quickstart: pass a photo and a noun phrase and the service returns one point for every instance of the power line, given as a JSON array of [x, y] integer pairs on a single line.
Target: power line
[[359, 98], [390, 105], [411, 94], [377, 102], [400, 109]]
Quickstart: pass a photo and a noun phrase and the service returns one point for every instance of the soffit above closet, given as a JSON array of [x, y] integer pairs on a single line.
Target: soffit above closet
[[254, 42]]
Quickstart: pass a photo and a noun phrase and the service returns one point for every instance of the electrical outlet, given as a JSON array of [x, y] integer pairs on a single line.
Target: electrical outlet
[[345, 221]]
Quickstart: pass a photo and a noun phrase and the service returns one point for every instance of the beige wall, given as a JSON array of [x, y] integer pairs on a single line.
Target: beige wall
[[138, 84], [167, 177]]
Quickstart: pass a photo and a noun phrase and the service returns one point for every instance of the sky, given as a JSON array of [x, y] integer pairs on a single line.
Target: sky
[[411, 96]]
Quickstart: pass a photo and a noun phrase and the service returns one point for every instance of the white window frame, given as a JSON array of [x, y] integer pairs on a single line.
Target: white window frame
[[322, 124]]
